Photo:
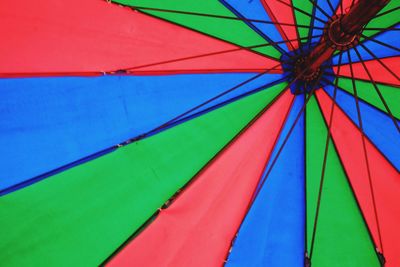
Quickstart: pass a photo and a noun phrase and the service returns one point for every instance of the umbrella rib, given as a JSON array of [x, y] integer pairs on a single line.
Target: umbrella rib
[[193, 179], [364, 102], [380, 62], [137, 138], [252, 26], [218, 96], [348, 181], [387, 12], [379, 254], [306, 256], [284, 141], [199, 31], [312, 23], [128, 69], [371, 79], [380, 42], [273, 162], [366, 158], [331, 7], [209, 54], [355, 125], [289, 132], [381, 29], [262, 180], [167, 124], [322, 178], [320, 9], [304, 12], [299, 39], [191, 13], [367, 80]]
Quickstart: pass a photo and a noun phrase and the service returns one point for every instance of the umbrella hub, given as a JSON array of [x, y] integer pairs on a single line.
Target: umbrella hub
[[300, 70], [304, 79], [342, 31], [309, 67]]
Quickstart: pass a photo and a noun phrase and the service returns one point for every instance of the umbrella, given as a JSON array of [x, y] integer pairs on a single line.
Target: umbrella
[[200, 133]]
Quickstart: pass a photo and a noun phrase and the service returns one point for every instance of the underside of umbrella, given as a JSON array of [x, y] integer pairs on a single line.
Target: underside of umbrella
[[200, 133]]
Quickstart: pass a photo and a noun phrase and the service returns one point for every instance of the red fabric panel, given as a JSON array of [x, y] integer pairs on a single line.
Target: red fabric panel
[[52, 36], [197, 229], [385, 180], [281, 13], [346, 4], [235, 61], [377, 71]]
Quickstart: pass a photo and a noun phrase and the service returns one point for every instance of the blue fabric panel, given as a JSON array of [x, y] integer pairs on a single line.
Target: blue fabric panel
[[378, 126], [263, 82], [323, 4], [312, 38], [49, 122], [380, 51], [272, 234], [255, 10]]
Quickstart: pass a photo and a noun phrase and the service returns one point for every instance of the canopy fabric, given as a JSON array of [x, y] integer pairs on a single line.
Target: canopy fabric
[[374, 66], [350, 144], [72, 105], [200, 133], [341, 227], [257, 242], [147, 177], [214, 206], [48, 37]]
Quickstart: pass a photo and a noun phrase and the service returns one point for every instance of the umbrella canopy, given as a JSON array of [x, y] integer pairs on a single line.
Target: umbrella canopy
[[200, 133]]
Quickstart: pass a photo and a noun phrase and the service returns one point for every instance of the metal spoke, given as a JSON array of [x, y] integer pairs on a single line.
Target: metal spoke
[[372, 39], [380, 62], [137, 68], [387, 12], [366, 158], [286, 138], [304, 12], [377, 90], [190, 13], [381, 29], [182, 189], [322, 179], [312, 23], [331, 7], [320, 9]]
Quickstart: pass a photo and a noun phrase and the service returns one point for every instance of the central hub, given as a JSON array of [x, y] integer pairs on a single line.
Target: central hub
[[304, 79], [336, 37], [309, 67], [300, 69]]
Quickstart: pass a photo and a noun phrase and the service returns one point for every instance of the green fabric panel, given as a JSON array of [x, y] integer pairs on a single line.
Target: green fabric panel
[[367, 92], [234, 31], [301, 18], [315, 142], [384, 21], [80, 216], [342, 238]]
